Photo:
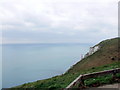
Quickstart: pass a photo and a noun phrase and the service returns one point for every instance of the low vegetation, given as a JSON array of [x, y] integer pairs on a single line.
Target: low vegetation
[[107, 79]]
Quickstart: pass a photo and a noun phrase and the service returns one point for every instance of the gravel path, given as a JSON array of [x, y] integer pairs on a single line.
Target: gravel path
[[106, 87], [111, 86]]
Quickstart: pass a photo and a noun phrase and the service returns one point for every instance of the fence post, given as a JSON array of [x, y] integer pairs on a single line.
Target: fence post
[[81, 82], [114, 74]]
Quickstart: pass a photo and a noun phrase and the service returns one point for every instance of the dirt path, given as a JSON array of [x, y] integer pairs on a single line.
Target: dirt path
[[107, 87], [111, 86]]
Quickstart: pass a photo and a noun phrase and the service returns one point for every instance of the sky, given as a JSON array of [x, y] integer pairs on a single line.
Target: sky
[[58, 21]]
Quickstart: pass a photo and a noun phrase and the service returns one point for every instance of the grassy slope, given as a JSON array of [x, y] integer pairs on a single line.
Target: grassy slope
[[99, 61], [109, 50]]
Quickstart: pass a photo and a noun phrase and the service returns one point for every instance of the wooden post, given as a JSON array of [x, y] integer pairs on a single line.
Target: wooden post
[[114, 75], [81, 82]]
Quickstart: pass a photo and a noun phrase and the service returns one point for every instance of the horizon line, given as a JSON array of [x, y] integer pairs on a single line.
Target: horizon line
[[45, 43]]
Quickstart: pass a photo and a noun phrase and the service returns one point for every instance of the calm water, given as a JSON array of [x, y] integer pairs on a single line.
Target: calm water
[[24, 63]]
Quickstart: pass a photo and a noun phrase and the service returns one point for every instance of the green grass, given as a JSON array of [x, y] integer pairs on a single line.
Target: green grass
[[100, 80], [64, 80], [101, 68]]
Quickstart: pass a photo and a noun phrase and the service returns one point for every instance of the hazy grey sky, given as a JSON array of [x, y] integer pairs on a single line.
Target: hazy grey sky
[[58, 21]]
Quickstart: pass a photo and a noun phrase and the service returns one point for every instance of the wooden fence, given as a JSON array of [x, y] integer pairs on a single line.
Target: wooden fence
[[79, 81]]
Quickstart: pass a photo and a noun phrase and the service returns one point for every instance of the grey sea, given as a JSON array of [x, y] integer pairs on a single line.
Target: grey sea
[[23, 63]]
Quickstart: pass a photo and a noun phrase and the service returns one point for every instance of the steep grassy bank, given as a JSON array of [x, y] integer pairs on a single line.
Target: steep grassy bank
[[104, 59]]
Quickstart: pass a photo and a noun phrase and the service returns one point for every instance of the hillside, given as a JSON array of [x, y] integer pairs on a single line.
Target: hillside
[[105, 58], [107, 54]]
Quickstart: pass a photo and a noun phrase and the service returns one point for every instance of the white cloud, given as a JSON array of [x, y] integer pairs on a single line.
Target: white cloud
[[60, 16]]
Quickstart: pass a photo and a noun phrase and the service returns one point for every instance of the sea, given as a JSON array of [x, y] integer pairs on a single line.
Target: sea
[[23, 63]]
